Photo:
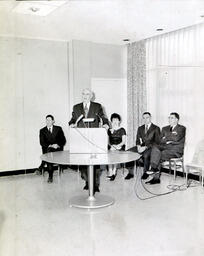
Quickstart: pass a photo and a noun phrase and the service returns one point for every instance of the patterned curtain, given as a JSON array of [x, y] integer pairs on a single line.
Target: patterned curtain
[[136, 89]]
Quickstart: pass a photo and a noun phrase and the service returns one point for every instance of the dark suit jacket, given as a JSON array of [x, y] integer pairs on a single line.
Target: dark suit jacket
[[152, 137], [177, 138], [56, 137], [95, 111]]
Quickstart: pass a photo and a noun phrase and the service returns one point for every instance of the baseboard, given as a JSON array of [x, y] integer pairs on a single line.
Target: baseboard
[[180, 173], [17, 172], [28, 171]]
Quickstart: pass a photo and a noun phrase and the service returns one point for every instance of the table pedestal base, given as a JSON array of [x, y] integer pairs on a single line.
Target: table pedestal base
[[91, 202]]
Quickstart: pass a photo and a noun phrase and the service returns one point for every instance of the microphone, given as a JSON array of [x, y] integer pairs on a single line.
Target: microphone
[[79, 118], [141, 142]]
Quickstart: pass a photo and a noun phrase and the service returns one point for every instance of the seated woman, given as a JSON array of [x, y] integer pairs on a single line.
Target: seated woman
[[117, 140]]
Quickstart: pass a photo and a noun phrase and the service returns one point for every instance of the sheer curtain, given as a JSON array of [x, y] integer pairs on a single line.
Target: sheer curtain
[[175, 81], [136, 89]]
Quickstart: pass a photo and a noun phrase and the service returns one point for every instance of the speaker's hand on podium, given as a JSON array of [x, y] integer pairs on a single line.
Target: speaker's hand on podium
[[73, 125]]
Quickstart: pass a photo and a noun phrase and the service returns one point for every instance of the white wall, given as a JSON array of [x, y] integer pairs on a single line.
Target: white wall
[[81, 68], [103, 68], [40, 77], [112, 94], [34, 83]]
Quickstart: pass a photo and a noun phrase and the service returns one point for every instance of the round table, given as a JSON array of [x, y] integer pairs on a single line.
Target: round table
[[111, 157]]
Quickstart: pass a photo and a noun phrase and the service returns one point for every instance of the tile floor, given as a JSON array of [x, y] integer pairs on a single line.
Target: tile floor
[[36, 220]]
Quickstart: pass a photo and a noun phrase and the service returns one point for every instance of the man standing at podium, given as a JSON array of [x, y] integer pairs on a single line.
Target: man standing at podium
[[88, 109]]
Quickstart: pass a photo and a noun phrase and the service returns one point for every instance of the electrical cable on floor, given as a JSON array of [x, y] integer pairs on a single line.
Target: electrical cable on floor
[[153, 195], [172, 188]]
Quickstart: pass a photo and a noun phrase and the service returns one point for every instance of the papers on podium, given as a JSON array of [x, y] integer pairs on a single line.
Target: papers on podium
[[88, 140]]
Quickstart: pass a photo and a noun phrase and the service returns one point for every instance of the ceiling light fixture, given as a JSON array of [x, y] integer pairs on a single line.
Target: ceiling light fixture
[[126, 40], [159, 29], [39, 7], [202, 16], [34, 9]]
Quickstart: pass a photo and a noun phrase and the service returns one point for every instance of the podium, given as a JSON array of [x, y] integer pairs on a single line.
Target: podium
[[88, 140]]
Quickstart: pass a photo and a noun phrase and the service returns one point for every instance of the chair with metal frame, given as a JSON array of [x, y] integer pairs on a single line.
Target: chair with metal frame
[[59, 168], [174, 164], [198, 168], [197, 163]]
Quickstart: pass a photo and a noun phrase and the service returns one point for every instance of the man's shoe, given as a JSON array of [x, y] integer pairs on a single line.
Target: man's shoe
[[150, 172], [112, 177], [144, 176], [96, 189], [38, 172], [86, 187], [129, 176], [153, 181], [50, 180]]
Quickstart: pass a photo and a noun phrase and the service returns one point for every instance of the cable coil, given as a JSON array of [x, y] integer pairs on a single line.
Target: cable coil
[[172, 188]]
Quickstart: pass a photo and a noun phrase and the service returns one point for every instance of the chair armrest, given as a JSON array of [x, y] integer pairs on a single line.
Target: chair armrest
[[192, 165]]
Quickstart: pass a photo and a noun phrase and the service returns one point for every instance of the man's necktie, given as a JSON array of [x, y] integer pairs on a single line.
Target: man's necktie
[[146, 129], [171, 129], [50, 131], [86, 110]]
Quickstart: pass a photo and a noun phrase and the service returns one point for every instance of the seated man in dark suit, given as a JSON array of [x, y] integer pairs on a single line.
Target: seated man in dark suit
[[88, 109], [147, 136], [51, 139], [171, 145]]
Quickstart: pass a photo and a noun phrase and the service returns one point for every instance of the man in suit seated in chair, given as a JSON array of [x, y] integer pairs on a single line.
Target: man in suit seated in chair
[[148, 135], [171, 146], [51, 139]]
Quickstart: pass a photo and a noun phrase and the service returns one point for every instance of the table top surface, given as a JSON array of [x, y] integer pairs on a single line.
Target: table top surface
[[111, 157]]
